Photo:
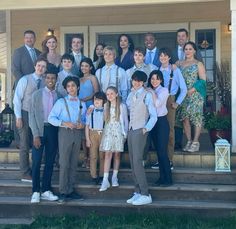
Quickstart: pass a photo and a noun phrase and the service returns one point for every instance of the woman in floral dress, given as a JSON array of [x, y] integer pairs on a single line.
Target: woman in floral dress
[[191, 110]]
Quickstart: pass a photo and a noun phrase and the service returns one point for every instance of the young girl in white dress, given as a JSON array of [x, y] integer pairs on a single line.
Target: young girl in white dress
[[114, 135]]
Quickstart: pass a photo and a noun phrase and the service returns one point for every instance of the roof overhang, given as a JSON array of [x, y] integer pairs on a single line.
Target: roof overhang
[[42, 4]]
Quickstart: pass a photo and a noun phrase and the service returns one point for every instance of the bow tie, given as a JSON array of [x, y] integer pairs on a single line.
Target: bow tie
[[73, 99], [165, 69], [99, 110]]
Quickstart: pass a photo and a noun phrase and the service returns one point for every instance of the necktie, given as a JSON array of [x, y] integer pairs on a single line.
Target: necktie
[[73, 99], [33, 55], [99, 110], [77, 59], [107, 79], [149, 57], [182, 57], [38, 83], [50, 101]]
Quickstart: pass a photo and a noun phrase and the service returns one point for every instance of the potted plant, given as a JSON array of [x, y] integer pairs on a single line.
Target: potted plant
[[219, 123]]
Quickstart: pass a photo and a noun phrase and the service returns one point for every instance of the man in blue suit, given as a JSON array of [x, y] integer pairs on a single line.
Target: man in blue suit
[[77, 44], [24, 58], [152, 52]]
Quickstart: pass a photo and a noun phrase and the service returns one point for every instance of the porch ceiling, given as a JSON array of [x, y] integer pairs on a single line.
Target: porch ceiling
[[29, 4]]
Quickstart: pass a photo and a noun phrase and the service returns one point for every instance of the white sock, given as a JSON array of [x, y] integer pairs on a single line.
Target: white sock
[[115, 172], [105, 176]]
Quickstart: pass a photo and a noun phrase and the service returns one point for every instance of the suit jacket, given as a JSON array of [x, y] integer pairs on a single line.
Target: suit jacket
[[75, 70], [36, 113], [175, 56], [156, 60], [22, 63]]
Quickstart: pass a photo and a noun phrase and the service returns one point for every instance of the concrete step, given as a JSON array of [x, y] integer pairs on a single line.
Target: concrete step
[[180, 175], [20, 207], [202, 159], [176, 192]]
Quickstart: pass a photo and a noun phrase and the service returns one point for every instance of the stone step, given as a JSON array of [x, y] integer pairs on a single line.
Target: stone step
[[19, 207], [176, 192], [180, 175], [202, 159]]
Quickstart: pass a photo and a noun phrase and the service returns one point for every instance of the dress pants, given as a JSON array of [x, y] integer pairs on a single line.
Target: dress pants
[[95, 138], [49, 146], [136, 143], [160, 136], [25, 143], [69, 149]]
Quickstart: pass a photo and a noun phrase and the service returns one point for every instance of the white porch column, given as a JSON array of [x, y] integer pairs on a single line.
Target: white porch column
[[8, 73], [233, 70]]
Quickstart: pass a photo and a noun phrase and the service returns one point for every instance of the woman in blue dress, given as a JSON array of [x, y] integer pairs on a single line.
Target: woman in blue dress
[[88, 82], [88, 87], [125, 57]]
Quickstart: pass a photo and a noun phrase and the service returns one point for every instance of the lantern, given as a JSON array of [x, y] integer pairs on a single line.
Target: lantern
[[222, 156], [7, 117]]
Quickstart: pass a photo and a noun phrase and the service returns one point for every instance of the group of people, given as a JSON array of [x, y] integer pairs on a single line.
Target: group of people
[[138, 96]]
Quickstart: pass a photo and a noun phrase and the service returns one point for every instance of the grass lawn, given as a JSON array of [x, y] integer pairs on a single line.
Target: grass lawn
[[135, 221]]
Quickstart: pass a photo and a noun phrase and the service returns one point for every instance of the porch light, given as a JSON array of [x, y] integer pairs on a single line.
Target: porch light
[[222, 156], [229, 27], [50, 32]]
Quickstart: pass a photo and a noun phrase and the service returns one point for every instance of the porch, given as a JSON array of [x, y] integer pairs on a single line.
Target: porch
[[197, 187]]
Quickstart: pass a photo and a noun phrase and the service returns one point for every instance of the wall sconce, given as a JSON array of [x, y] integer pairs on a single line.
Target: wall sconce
[[229, 27], [50, 32]]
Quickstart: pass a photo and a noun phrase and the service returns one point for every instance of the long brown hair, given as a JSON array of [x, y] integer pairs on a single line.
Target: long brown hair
[[44, 46], [108, 106]]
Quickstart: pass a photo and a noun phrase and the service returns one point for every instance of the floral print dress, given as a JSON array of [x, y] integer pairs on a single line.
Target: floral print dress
[[112, 136], [192, 106]]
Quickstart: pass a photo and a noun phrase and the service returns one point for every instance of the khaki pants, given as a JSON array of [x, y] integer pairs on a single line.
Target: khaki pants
[[95, 138], [171, 120]]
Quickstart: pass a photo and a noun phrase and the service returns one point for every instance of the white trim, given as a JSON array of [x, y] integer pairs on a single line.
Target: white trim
[[9, 81], [116, 29], [233, 78], [208, 25], [74, 29]]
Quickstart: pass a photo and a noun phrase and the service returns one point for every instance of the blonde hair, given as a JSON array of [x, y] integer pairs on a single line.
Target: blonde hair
[[108, 106], [110, 49]]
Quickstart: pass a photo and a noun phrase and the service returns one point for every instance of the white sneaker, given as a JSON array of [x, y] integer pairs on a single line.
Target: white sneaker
[[114, 182], [35, 198], [142, 200], [105, 185], [133, 198], [48, 195]]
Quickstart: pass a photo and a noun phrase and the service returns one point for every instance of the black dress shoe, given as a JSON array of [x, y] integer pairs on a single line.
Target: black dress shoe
[[62, 199], [75, 196]]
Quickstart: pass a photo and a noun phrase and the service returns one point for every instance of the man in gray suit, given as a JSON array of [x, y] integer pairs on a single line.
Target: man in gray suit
[[24, 58], [77, 44], [22, 100], [45, 137]]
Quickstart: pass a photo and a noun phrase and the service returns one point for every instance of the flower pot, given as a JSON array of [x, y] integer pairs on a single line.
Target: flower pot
[[216, 134]]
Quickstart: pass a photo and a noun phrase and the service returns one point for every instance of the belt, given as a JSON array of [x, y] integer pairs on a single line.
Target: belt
[[98, 131], [47, 124]]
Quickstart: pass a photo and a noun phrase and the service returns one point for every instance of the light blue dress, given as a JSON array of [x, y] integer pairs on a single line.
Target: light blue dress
[[86, 89]]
